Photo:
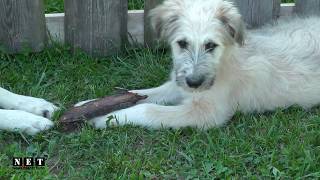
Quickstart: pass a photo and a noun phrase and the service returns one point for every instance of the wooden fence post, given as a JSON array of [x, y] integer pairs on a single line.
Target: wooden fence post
[[308, 7], [276, 8], [150, 38], [98, 27], [22, 25], [258, 12]]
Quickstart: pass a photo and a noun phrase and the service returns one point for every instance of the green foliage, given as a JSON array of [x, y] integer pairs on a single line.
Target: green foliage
[[54, 6], [281, 145], [135, 4]]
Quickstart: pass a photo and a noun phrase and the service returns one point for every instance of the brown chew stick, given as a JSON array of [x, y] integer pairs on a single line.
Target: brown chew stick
[[73, 118]]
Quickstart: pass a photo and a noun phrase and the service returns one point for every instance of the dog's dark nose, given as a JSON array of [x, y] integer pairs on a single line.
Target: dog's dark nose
[[195, 82]]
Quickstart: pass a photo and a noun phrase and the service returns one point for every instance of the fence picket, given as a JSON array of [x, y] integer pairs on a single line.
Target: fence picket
[[99, 27], [22, 25], [258, 12], [308, 7], [276, 8], [149, 35]]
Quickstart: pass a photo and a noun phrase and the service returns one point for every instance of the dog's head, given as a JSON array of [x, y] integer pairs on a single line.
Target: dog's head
[[199, 32]]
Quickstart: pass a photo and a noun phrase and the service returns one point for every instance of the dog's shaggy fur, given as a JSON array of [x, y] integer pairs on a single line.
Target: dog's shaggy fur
[[218, 69]]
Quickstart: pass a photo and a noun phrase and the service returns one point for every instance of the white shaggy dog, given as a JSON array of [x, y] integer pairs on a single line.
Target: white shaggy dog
[[217, 70], [24, 114]]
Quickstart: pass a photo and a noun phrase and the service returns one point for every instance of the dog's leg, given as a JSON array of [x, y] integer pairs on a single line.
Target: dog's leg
[[195, 112], [37, 106], [15, 120], [168, 93]]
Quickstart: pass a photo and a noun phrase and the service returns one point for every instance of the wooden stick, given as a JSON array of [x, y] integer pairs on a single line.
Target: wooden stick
[[73, 118]]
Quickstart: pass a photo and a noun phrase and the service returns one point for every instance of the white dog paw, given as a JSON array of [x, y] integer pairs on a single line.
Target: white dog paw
[[135, 115], [143, 93], [37, 125], [35, 106], [25, 122], [102, 122], [139, 92]]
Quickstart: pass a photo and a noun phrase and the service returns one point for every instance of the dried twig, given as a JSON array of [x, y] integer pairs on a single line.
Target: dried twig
[[74, 118]]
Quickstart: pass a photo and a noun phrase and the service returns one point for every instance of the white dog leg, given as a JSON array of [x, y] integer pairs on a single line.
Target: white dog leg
[[168, 93], [201, 114], [37, 106], [15, 120]]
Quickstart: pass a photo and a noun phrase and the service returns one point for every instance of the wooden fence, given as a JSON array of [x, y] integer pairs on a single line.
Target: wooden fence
[[101, 27]]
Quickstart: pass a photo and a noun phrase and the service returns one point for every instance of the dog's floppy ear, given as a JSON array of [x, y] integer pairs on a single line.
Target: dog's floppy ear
[[233, 22], [164, 18]]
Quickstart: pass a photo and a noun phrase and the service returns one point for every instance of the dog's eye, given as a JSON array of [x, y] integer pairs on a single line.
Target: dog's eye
[[183, 44], [209, 47]]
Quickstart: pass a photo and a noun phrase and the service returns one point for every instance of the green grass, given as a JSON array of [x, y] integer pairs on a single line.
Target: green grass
[[281, 144], [55, 6]]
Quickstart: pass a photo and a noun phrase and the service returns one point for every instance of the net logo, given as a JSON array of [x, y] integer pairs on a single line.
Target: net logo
[[28, 162]]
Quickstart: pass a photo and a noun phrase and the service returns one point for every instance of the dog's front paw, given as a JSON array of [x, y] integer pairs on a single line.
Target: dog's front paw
[[15, 120], [35, 106], [104, 121], [136, 115], [140, 92], [144, 92]]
